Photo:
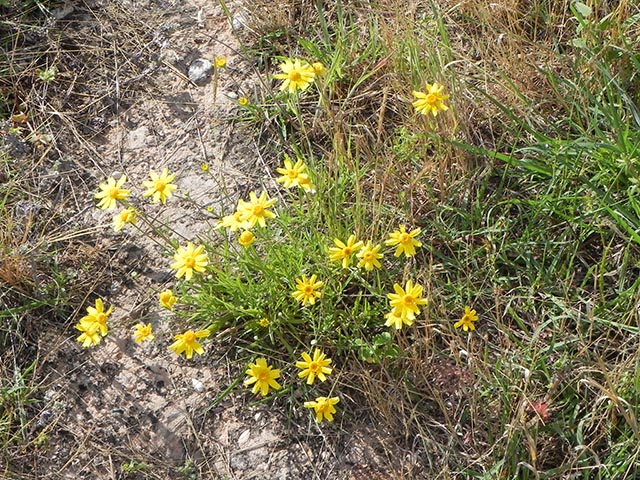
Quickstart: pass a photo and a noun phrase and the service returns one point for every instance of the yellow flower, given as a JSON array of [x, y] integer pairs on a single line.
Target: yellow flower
[[291, 174], [234, 221], [88, 337], [255, 210], [143, 332], [160, 186], [93, 325], [298, 74], [306, 185], [188, 342], [369, 256], [111, 192], [324, 407], [243, 101], [466, 322], [189, 259], [262, 376], [307, 290], [396, 320], [221, 62], [343, 251], [431, 101], [314, 367], [96, 318], [318, 68], [204, 167], [167, 299], [246, 238], [263, 322], [128, 215], [405, 302], [405, 241]]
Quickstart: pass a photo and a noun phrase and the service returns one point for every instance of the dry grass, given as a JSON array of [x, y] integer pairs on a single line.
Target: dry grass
[[548, 385]]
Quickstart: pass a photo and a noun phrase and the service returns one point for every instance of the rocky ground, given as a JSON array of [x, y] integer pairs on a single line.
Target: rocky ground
[[127, 410]]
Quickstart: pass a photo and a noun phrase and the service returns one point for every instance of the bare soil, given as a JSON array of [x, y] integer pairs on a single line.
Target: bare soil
[[124, 410]]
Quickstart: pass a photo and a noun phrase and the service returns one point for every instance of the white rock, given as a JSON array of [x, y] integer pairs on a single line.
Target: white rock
[[198, 386], [244, 437], [200, 70]]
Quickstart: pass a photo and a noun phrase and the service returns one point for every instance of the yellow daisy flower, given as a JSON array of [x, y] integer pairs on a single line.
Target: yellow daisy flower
[[466, 322], [431, 101], [234, 221], [110, 192], [343, 251], [405, 241], [262, 376], [264, 322], [396, 320], [307, 290], [188, 342], [406, 302], [189, 259], [221, 61], [297, 75], [204, 167], [160, 186], [89, 337], [246, 238], [143, 332], [128, 215], [305, 183], [324, 408], [318, 68], [167, 299], [243, 101], [318, 366], [255, 210], [291, 174], [96, 318], [369, 256]]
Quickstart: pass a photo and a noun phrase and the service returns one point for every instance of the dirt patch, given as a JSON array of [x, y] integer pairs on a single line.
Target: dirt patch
[[125, 410]]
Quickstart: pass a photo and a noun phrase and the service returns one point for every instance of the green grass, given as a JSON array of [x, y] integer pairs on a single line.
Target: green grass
[[525, 191]]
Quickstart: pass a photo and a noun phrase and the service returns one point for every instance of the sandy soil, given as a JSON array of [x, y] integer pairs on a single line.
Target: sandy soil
[[127, 410]]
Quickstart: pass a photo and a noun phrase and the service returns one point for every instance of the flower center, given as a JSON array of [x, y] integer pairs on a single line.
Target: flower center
[[263, 376], [113, 192], [101, 318], [408, 300], [308, 290], [295, 76], [189, 336], [189, 262], [314, 367], [431, 98], [367, 257], [257, 210], [347, 251], [293, 174], [404, 238], [160, 186]]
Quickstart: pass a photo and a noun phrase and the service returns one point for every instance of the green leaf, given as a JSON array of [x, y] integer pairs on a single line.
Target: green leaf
[[582, 9], [579, 43]]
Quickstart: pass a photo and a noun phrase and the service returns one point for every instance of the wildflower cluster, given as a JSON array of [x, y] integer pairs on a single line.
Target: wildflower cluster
[[263, 377], [111, 193], [248, 214], [250, 222]]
